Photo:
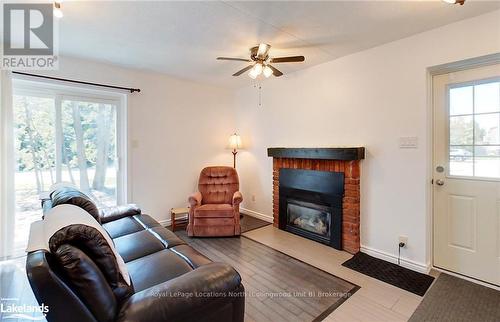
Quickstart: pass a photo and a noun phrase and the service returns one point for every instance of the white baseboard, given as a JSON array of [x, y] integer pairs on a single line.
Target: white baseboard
[[257, 215], [415, 266]]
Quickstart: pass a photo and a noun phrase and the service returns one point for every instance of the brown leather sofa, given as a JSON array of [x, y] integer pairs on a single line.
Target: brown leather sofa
[[170, 281], [215, 208]]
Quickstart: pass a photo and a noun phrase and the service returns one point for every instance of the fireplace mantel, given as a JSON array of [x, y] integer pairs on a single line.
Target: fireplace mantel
[[341, 153]]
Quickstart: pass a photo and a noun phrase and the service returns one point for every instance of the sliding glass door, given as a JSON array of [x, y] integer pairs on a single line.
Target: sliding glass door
[[88, 148], [63, 137]]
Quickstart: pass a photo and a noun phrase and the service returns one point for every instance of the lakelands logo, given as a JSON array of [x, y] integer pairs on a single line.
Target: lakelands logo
[[29, 41], [10, 309]]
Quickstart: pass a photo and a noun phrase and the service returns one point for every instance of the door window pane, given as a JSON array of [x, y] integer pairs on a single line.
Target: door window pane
[[487, 167], [487, 151], [461, 130], [487, 130], [461, 161], [461, 100], [487, 97], [474, 136]]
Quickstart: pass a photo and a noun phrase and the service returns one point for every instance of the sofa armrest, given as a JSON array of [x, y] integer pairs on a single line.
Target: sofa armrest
[[188, 297], [195, 199], [114, 213], [237, 198]]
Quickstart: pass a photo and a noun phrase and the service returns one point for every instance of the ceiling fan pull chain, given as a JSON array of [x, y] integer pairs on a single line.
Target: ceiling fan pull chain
[[258, 86], [260, 95]]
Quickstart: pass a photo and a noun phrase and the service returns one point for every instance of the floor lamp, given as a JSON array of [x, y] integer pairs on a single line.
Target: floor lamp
[[234, 144]]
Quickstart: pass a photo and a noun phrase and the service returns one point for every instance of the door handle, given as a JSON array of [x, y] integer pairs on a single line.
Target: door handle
[[440, 182]]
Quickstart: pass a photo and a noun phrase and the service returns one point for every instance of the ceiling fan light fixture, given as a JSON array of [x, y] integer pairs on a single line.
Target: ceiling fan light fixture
[[262, 49], [255, 71], [258, 68], [267, 71], [252, 74]]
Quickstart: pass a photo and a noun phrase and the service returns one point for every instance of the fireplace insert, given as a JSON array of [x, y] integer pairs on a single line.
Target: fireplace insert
[[311, 204]]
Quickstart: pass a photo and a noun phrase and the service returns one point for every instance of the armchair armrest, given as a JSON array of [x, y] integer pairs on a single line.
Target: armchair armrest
[[187, 297], [237, 198], [195, 199], [114, 213]]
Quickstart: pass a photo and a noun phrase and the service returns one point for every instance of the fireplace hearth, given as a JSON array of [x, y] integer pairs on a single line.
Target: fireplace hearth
[[311, 204]]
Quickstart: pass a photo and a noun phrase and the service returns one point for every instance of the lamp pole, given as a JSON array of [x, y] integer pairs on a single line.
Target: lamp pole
[[234, 158]]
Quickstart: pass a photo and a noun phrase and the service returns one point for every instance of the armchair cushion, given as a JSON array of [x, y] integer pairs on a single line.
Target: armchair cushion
[[214, 211], [218, 184]]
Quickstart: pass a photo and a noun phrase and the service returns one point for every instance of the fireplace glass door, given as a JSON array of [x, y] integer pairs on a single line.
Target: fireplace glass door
[[310, 217]]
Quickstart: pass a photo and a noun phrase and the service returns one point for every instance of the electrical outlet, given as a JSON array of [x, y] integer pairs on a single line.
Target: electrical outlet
[[253, 198], [404, 240]]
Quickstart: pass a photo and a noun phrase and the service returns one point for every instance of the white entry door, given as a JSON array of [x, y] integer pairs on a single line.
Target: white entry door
[[467, 173]]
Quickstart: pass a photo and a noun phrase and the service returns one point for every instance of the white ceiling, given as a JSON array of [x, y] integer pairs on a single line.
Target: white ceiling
[[183, 39]]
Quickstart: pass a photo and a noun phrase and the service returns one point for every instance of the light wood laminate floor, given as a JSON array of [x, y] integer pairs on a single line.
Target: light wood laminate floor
[[375, 301]]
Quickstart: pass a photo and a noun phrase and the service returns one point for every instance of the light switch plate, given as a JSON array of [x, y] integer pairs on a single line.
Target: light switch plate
[[408, 142]]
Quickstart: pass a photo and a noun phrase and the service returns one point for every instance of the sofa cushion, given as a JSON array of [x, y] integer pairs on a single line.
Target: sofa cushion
[[113, 213], [138, 244], [72, 196], [192, 256], [146, 221], [69, 224], [156, 268], [100, 249], [122, 227], [214, 211], [87, 281], [168, 238]]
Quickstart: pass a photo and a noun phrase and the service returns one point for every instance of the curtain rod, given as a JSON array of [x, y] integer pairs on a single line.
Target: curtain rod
[[79, 82]]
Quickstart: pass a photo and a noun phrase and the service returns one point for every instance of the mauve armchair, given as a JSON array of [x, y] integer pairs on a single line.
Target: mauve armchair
[[215, 208]]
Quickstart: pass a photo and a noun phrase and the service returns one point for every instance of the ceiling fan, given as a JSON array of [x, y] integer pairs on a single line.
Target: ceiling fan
[[261, 62]]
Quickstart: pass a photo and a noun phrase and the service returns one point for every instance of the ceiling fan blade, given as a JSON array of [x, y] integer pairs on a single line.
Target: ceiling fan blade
[[238, 73], [292, 59], [276, 72], [234, 59]]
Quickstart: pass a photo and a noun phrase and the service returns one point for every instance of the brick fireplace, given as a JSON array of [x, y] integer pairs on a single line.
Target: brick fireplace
[[340, 160]]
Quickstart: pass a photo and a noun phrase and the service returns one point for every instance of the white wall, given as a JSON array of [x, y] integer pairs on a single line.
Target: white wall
[[175, 128], [369, 99]]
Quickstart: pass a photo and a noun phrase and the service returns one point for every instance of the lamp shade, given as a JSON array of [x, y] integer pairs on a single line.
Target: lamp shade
[[235, 142]]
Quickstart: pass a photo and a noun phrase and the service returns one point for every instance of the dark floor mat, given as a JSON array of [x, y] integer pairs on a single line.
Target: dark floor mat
[[393, 274], [248, 223], [454, 299]]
